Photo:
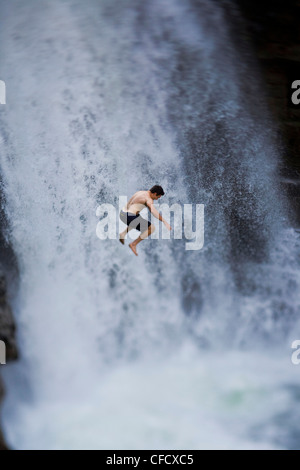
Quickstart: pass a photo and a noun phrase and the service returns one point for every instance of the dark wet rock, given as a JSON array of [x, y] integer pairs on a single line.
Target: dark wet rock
[[8, 276], [7, 334], [273, 30], [7, 324]]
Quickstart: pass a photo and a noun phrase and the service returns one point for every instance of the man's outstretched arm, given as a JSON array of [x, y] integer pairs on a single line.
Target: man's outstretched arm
[[157, 214]]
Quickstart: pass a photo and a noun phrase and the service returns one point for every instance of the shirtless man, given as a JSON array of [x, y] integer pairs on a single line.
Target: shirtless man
[[130, 215]]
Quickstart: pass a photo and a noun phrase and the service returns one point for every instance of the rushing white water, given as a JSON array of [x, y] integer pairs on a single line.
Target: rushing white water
[[105, 98]]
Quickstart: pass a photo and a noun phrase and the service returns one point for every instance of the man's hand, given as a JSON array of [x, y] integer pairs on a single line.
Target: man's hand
[[156, 214], [168, 226]]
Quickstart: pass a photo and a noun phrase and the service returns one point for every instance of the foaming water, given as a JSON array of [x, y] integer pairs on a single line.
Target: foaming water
[[113, 98], [220, 400]]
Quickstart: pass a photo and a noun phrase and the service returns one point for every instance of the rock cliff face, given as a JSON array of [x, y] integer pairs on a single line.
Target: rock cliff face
[[272, 27], [7, 325], [8, 278], [7, 334]]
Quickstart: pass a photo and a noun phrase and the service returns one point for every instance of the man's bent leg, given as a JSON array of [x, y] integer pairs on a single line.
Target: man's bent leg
[[142, 237], [123, 234]]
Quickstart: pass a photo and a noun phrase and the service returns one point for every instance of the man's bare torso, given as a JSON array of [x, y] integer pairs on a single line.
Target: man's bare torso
[[138, 202]]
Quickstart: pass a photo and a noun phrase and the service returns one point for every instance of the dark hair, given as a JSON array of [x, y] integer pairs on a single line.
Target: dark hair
[[157, 190]]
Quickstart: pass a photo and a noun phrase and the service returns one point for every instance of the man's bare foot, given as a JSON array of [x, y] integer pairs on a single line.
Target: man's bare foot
[[133, 247], [122, 240]]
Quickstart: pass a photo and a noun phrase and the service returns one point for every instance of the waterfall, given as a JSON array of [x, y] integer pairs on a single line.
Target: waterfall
[[105, 98]]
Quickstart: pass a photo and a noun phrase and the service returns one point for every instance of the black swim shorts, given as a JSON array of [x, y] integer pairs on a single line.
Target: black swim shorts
[[135, 221]]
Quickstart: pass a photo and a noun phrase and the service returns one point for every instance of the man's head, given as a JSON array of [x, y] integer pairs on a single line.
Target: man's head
[[157, 192]]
